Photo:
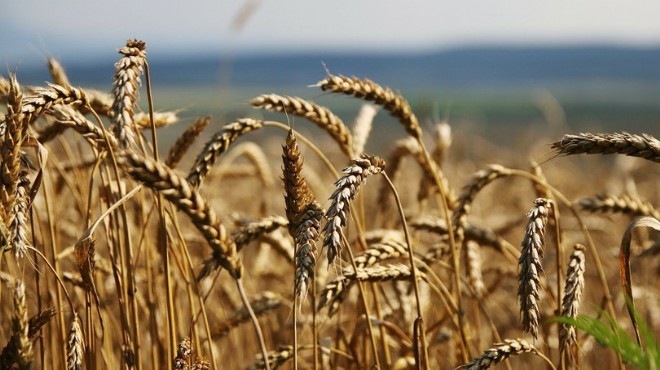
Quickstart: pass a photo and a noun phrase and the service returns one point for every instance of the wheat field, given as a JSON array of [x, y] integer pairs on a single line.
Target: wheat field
[[442, 250]]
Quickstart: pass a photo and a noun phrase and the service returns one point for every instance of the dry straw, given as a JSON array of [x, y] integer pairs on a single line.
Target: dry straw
[[128, 70], [529, 280], [347, 187], [321, 116], [643, 146], [572, 294]]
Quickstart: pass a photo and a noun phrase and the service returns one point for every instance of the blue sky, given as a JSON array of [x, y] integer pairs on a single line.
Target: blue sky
[[84, 28]]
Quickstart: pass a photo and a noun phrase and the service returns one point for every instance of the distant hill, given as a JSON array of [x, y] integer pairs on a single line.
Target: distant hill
[[450, 69]]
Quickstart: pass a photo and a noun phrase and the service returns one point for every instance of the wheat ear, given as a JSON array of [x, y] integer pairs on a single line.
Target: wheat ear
[[304, 215], [478, 181], [275, 358], [185, 141], [217, 145], [179, 192], [252, 231], [619, 204], [128, 70], [21, 328], [362, 126], [75, 346], [18, 226], [355, 175], [572, 294], [57, 72], [529, 280], [321, 116], [266, 302], [371, 91], [335, 291], [498, 353], [643, 146], [12, 141]]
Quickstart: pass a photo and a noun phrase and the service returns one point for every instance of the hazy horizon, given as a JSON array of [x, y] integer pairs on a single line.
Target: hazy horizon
[[94, 30]]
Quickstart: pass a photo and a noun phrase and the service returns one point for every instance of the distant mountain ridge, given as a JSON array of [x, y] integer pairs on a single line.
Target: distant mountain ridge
[[454, 68]]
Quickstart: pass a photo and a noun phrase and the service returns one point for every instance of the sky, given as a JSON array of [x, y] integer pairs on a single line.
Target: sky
[[85, 28]]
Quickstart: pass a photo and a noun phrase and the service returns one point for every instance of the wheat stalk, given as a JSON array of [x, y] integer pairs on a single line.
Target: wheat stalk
[[572, 295], [643, 146], [185, 141], [321, 116], [529, 280], [217, 145], [179, 192], [347, 187], [498, 353], [619, 204], [128, 70]]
